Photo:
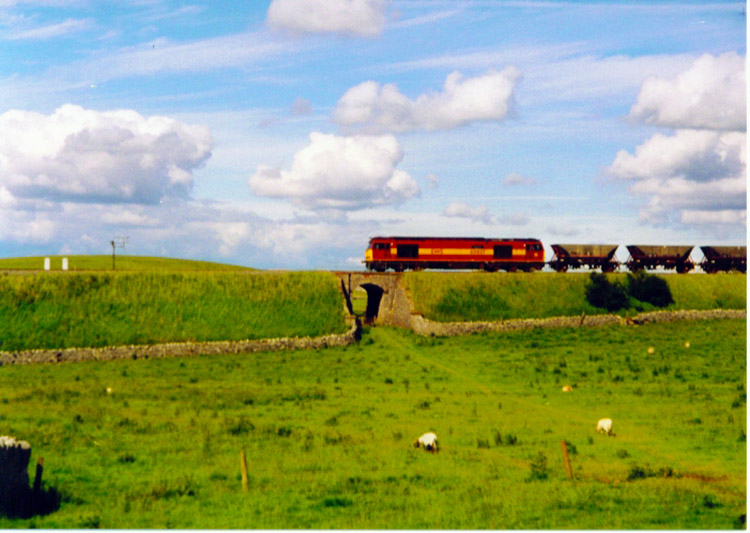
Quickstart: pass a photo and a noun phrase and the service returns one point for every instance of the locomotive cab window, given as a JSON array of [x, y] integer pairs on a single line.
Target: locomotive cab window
[[535, 247], [379, 246], [408, 251], [503, 251]]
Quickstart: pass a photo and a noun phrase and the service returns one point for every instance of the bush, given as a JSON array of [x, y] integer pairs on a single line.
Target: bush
[[649, 289], [539, 469], [603, 294]]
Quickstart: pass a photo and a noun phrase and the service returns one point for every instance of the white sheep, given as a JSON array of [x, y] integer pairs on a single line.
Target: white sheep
[[428, 441], [605, 426]]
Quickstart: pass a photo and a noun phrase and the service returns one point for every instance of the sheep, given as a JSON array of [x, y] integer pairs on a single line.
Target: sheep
[[428, 441], [567, 388], [605, 426]]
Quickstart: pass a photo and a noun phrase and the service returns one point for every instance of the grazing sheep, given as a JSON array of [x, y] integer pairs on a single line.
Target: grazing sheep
[[428, 441], [605, 426]]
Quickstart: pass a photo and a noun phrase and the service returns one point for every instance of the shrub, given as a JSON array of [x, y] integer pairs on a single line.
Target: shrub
[[603, 294], [539, 469], [650, 289]]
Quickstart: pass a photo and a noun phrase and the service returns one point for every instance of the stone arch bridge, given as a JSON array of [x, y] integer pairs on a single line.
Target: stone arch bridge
[[387, 300]]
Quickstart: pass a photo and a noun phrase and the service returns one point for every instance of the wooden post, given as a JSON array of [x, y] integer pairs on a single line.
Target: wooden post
[[243, 463], [38, 476], [566, 460]]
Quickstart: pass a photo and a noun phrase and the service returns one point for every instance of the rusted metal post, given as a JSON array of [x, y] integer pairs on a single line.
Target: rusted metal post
[[566, 459], [243, 463], [38, 476]]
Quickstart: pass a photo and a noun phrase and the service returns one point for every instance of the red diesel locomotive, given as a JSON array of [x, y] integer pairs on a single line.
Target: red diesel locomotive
[[415, 253]]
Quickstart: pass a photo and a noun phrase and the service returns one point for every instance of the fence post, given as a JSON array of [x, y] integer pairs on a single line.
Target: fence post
[[566, 460], [243, 463]]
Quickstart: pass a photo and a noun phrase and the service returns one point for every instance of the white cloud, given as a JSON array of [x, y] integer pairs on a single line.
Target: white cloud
[[488, 97], [687, 174], [694, 155], [722, 217], [335, 172], [90, 156], [462, 210], [364, 18], [514, 178], [514, 219], [697, 175], [709, 95], [48, 32]]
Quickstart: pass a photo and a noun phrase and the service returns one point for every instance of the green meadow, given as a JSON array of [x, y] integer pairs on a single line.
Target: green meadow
[[327, 434], [76, 309], [122, 262], [481, 296]]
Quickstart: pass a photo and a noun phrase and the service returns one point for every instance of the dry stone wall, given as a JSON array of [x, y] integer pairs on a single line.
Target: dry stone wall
[[423, 326], [177, 349]]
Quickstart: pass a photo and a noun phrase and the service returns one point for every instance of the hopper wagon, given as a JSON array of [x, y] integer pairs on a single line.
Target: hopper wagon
[[668, 257], [417, 253], [724, 258], [584, 255]]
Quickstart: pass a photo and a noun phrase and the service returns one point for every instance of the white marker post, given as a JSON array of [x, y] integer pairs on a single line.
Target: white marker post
[[46, 263], [65, 263]]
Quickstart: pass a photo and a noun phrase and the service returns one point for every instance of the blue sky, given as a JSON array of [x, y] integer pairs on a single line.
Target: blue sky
[[286, 133]]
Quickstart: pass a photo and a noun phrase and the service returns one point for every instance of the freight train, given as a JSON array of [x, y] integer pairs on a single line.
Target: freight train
[[527, 255]]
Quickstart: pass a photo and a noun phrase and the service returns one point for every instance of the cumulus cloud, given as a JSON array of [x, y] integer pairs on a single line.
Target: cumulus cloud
[[462, 210], [696, 175], [694, 155], [686, 174], [341, 173], [375, 107], [82, 155], [362, 18], [709, 95], [514, 178]]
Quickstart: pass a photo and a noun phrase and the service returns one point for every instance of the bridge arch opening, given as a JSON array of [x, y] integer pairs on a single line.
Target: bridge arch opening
[[374, 296]]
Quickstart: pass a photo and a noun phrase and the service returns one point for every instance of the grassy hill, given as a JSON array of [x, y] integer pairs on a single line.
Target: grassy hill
[[60, 310], [156, 443], [122, 263], [481, 296]]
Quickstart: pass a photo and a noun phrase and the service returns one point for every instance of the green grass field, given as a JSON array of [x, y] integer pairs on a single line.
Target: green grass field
[[480, 296], [122, 262], [156, 443], [72, 309]]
